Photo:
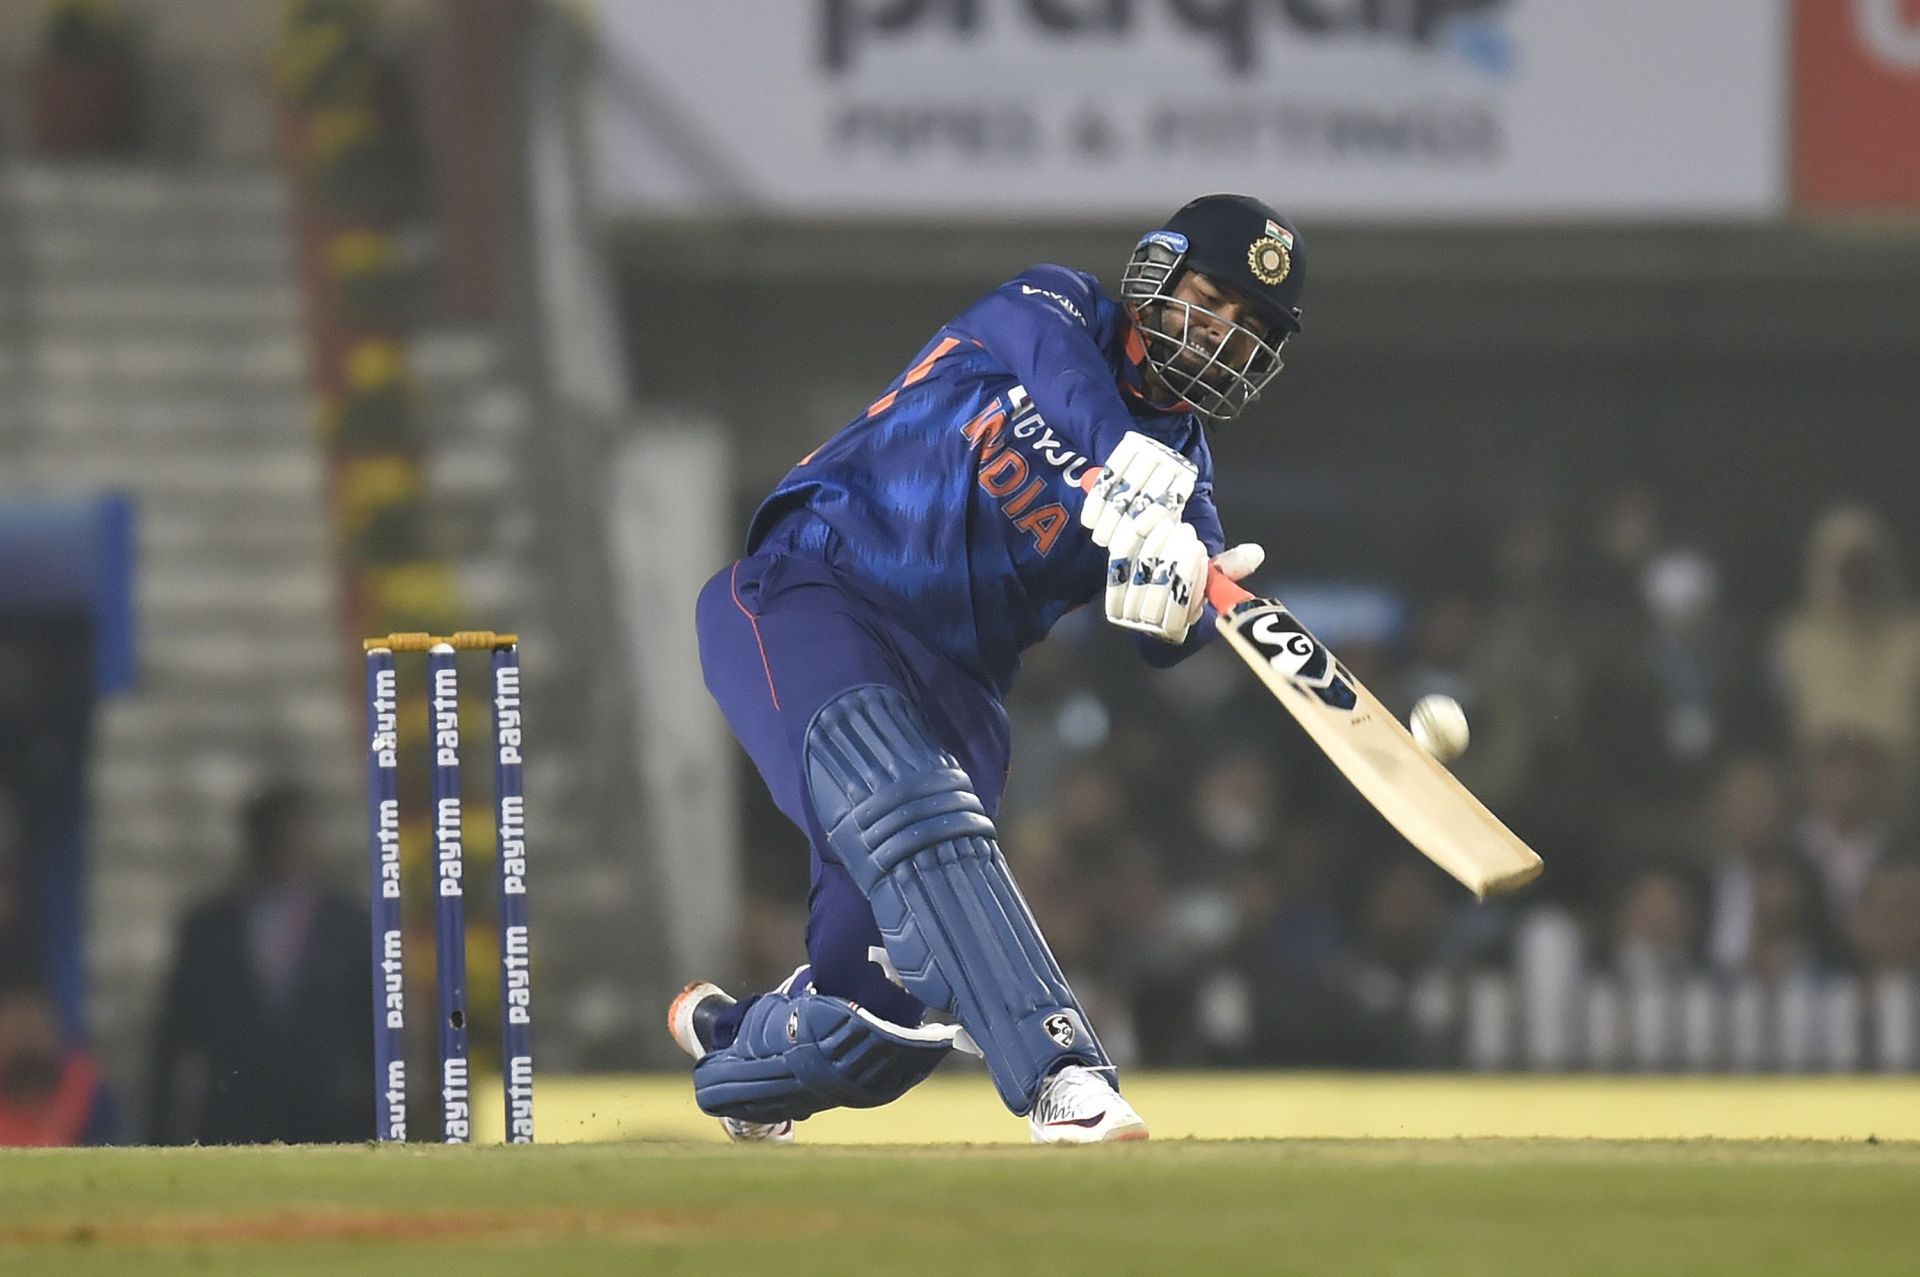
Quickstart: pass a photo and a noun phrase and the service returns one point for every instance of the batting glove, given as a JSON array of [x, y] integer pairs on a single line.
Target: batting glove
[[1143, 479], [1162, 590]]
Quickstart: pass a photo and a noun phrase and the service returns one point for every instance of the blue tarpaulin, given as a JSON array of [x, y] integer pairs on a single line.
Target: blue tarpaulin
[[67, 621]]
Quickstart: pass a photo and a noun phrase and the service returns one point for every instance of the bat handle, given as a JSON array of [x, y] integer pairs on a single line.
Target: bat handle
[[1224, 594]]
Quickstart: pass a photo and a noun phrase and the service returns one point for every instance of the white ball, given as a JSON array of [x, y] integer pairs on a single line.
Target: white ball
[[1440, 725]]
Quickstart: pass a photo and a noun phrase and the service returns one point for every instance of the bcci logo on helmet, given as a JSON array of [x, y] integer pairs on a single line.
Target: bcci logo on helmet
[[1270, 257], [1059, 1027]]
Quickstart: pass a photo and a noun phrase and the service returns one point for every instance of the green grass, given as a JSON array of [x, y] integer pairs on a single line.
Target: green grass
[[1317, 1207]]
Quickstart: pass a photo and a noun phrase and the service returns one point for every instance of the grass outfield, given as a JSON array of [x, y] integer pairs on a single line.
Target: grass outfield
[[1418, 1207]]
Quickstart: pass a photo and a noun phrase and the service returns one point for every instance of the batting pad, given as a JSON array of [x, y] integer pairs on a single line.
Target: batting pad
[[903, 818], [798, 1054]]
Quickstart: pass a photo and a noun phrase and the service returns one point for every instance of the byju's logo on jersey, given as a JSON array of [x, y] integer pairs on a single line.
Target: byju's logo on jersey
[[1004, 472]]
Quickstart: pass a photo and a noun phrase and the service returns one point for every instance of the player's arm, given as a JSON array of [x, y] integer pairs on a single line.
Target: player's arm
[[1041, 327]]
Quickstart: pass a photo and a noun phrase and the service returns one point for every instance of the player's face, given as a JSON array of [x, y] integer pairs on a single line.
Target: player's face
[[1215, 317], [1220, 302]]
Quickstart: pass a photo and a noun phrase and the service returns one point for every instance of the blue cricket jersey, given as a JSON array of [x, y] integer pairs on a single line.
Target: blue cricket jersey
[[952, 503]]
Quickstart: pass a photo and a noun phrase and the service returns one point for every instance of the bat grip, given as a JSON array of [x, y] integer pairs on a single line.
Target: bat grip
[[1225, 594]]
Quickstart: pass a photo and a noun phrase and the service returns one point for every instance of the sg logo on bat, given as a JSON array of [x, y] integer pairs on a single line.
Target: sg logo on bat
[[1292, 653]]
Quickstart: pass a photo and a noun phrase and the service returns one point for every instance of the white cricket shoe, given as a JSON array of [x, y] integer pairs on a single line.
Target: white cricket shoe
[[689, 1020], [1078, 1105]]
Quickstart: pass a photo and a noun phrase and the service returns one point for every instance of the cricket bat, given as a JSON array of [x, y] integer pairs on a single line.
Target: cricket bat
[[1418, 796]]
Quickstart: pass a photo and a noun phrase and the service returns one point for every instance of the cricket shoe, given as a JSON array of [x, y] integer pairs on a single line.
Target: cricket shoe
[[690, 1021], [1077, 1105]]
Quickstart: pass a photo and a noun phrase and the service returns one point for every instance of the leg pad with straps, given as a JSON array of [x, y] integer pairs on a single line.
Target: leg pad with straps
[[904, 819], [797, 1054]]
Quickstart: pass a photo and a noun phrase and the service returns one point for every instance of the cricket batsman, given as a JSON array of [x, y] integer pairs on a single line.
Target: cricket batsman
[[862, 648]]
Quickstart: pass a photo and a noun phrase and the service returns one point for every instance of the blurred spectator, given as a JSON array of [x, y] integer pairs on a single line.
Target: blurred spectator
[[1749, 831], [1402, 918], [84, 90], [1849, 655], [1656, 926], [1791, 935], [51, 1096], [1538, 647], [1849, 823], [1136, 963], [1090, 811], [1297, 953], [19, 962], [268, 997], [1457, 653], [1709, 670], [1675, 696], [1235, 810], [1886, 930], [1628, 535]]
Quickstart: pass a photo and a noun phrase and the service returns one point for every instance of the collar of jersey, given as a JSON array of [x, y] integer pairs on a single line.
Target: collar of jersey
[[1134, 372]]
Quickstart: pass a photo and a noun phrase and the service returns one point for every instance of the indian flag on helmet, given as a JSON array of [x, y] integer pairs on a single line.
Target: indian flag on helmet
[[1276, 231]]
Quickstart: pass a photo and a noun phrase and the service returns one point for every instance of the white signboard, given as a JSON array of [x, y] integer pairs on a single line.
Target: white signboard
[[983, 109]]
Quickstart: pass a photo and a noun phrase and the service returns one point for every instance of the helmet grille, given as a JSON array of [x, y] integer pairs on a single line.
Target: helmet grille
[[1215, 376]]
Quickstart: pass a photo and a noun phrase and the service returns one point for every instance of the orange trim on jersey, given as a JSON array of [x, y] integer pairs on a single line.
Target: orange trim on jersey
[[733, 588], [1137, 353], [985, 427], [916, 373]]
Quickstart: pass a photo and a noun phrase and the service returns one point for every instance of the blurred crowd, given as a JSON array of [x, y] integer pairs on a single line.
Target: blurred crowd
[[262, 1033], [1716, 794]]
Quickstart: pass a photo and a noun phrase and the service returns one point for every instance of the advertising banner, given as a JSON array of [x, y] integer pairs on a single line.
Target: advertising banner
[[1856, 117], [1086, 109]]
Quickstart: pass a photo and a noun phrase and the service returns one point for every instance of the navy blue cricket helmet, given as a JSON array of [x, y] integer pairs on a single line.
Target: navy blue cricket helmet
[[1213, 364]]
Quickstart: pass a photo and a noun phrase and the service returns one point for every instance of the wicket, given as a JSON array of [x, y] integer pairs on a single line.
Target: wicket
[[383, 799]]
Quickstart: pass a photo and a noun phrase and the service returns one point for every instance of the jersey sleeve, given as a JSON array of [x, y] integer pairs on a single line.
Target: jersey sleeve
[[1200, 512], [1046, 327]]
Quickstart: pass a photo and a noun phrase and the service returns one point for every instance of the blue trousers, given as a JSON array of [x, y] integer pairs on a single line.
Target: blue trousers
[[780, 636]]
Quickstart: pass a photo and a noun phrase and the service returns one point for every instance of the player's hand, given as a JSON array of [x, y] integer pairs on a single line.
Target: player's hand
[[1241, 561], [1142, 479], [1162, 590]]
